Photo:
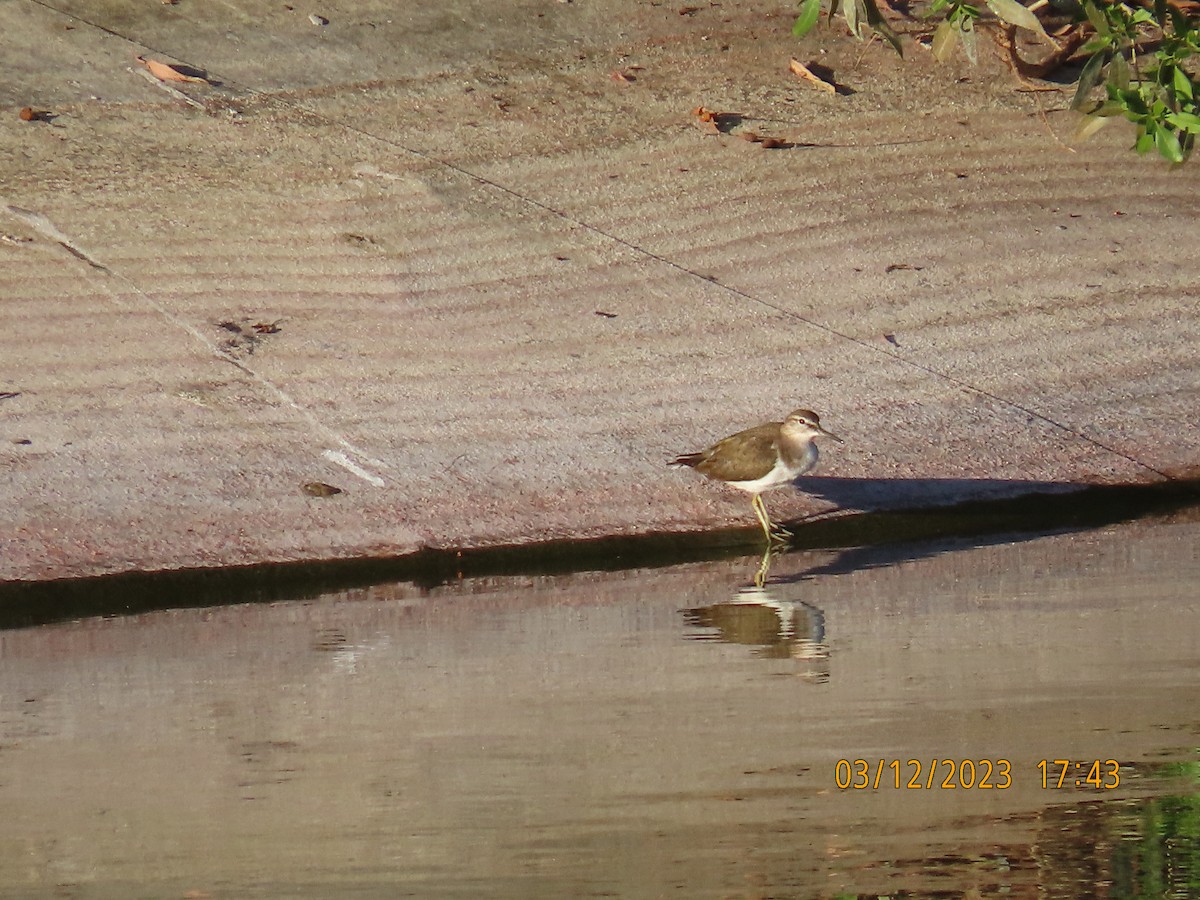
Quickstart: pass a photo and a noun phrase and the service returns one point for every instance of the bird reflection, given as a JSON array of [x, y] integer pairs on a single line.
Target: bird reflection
[[771, 617]]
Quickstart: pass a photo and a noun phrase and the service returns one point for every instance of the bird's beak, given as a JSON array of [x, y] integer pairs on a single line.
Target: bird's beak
[[830, 434]]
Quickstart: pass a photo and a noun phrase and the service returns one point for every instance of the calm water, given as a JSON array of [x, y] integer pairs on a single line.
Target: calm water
[[668, 732]]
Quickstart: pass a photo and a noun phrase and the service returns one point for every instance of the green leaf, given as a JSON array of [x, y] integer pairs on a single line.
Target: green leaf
[[1095, 45], [1118, 73], [852, 15], [968, 35], [1088, 79], [876, 20], [944, 40], [1179, 21], [1145, 141], [810, 11], [1182, 84], [1134, 103], [1188, 122], [1099, 22], [1168, 145], [1160, 11], [1088, 126], [1014, 13]]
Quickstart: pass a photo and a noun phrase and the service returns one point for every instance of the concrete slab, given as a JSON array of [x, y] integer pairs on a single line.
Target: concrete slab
[[496, 287]]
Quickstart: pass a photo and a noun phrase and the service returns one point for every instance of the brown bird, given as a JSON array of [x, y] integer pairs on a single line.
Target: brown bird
[[763, 457]]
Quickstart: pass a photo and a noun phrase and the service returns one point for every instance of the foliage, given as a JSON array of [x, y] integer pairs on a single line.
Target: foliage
[[1153, 90], [1145, 53]]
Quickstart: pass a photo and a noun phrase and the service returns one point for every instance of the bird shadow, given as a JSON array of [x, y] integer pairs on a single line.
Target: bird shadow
[[876, 494], [883, 521]]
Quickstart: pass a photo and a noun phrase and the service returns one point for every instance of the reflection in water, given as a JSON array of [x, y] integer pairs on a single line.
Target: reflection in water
[[1135, 848], [771, 616], [529, 736]]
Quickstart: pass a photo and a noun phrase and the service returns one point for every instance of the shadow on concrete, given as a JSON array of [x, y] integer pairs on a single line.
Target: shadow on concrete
[[867, 539], [868, 494]]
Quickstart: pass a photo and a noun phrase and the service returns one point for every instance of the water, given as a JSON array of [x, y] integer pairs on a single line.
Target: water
[[658, 732]]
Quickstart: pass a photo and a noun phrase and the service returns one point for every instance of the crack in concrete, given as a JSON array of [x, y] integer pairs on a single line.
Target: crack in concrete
[[48, 229]]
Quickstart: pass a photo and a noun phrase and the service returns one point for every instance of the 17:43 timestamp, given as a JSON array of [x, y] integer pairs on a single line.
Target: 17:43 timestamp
[[1102, 774]]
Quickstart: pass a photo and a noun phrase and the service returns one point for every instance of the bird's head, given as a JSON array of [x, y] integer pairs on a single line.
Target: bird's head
[[804, 423]]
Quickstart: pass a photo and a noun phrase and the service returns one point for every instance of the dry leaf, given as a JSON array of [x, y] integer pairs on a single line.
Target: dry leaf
[[320, 489], [772, 143], [707, 120], [750, 136], [623, 77], [164, 72], [802, 71], [27, 114]]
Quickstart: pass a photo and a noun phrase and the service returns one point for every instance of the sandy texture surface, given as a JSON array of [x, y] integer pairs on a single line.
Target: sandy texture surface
[[445, 260]]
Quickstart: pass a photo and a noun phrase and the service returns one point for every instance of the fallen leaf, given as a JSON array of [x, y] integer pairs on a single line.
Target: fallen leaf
[[750, 136], [802, 71], [27, 114], [712, 123], [623, 77], [903, 267], [605, 315], [772, 143], [320, 489], [266, 327], [164, 72]]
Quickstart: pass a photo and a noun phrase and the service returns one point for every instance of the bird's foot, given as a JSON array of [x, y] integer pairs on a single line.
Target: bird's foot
[[779, 535]]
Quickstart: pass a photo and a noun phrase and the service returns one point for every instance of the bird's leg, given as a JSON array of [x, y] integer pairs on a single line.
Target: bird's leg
[[760, 511], [776, 534], [764, 567]]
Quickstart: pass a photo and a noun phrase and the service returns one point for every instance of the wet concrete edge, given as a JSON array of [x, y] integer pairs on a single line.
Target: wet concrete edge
[[30, 603]]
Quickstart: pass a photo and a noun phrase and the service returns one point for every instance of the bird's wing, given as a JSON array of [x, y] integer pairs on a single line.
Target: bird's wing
[[744, 456]]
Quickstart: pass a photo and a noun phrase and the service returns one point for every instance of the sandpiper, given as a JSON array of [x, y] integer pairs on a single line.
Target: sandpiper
[[763, 457]]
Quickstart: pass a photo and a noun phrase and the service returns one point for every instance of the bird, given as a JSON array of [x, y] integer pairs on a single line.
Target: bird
[[761, 458]]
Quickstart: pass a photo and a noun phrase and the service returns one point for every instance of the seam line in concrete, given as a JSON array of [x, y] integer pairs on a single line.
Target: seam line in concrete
[[45, 227], [737, 292], [594, 229]]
